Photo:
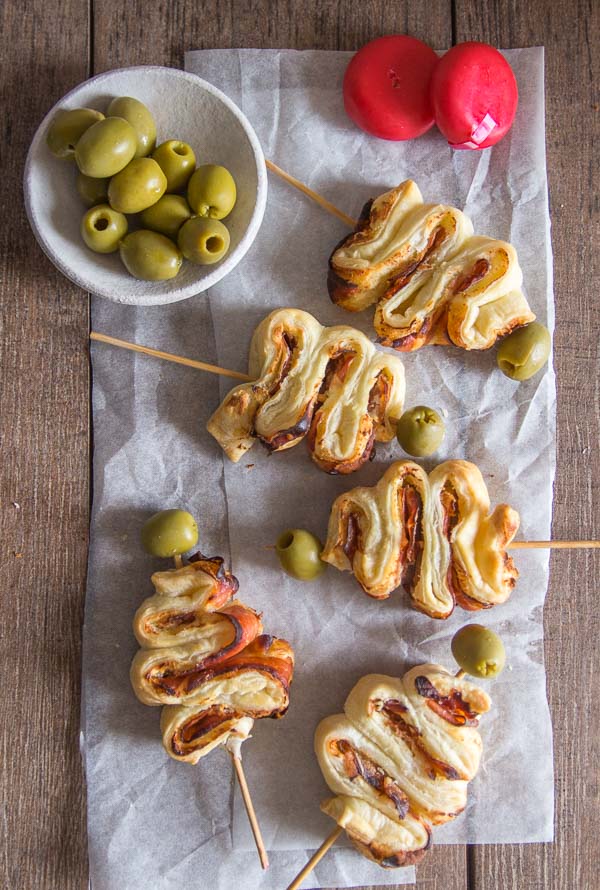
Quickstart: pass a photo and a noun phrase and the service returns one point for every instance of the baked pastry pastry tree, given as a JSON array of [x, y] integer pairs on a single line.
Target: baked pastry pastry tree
[[432, 279], [399, 759], [401, 755], [329, 385], [432, 534], [206, 659], [204, 656]]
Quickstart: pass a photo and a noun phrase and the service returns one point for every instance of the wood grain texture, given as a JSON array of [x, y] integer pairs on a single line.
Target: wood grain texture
[[44, 385], [44, 443], [571, 34]]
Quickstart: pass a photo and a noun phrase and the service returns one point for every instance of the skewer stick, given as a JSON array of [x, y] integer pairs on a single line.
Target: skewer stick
[[236, 759], [316, 857], [553, 545], [234, 749], [225, 372], [318, 199], [167, 356], [459, 674]]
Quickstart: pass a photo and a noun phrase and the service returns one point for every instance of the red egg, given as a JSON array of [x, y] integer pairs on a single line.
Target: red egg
[[474, 95], [386, 87]]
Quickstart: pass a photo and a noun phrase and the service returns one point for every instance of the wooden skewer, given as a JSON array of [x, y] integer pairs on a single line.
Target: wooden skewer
[[459, 674], [236, 758], [225, 372], [553, 545], [167, 356], [316, 857], [315, 196], [258, 840]]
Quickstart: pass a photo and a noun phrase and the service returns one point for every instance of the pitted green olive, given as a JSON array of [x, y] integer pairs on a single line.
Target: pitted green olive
[[299, 553], [167, 215], [524, 352], [68, 127], [177, 161], [479, 651], [150, 256], [420, 431], [106, 147], [140, 118], [92, 191], [212, 192], [203, 241], [138, 186], [102, 228], [169, 533]]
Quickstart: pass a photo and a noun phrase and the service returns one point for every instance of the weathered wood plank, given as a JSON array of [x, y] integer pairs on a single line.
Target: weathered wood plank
[[44, 485], [571, 35]]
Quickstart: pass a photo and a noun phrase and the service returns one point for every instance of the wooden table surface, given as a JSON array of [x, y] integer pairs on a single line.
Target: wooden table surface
[[49, 46]]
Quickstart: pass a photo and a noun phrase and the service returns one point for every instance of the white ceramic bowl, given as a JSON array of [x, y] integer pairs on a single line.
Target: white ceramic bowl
[[184, 107]]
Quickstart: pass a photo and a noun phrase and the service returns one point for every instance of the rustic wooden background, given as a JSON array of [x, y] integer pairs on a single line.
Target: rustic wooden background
[[48, 46]]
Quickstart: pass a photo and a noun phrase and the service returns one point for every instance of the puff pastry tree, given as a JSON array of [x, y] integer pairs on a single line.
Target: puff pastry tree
[[432, 279], [328, 384], [206, 660], [399, 759], [433, 534]]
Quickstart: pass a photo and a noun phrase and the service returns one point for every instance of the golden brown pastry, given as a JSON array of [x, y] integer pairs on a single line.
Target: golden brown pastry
[[255, 683], [433, 534], [432, 279], [330, 385], [399, 759], [205, 658]]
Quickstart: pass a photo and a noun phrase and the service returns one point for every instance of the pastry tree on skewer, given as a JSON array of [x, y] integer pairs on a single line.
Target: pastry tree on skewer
[[400, 757], [433, 534], [328, 384], [205, 657], [432, 279]]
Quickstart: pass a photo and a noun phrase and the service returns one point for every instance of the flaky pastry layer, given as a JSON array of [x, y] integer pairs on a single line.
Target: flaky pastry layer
[[432, 279], [433, 534], [329, 385], [399, 759]]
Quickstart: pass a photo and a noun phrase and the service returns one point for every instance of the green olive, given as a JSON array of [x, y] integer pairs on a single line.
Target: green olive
[[169, 533], [138, 186], [102, 228], [203, 241], [479, 651], [92, 191], [150, 256], [524, 352], [68, 127], [420, 431], [167, 215], [177, 161], [136, 113], [212, 192], [106, 147], [299, 553]]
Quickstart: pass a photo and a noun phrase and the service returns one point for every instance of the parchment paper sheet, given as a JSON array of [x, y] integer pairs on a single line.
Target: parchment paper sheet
[[157, 824]]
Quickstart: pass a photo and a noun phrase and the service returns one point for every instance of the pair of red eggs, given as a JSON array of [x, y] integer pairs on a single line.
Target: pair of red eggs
[[397, 87]]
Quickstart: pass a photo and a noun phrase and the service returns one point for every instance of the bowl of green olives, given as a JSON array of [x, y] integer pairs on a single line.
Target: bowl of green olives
[[145, 185]]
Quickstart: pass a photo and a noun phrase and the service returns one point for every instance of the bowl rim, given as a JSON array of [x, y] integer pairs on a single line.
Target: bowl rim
[[188, 290]]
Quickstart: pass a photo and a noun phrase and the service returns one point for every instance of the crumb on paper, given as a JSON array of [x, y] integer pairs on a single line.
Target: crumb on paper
[[249, 466]]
